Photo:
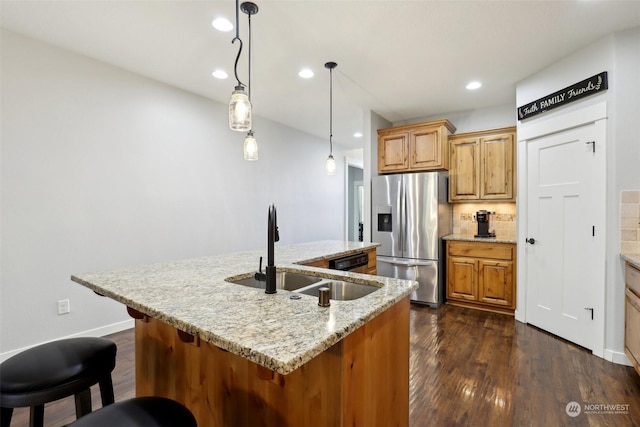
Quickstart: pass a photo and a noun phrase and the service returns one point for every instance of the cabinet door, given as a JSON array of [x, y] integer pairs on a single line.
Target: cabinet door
[[393, 152], [425, 149], [632, 316], [495, 282], [461, 279], [632, 328], [496, 169], [465, 166]]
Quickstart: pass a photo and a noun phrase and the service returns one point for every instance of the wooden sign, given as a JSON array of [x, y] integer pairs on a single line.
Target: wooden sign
[[587, 87]]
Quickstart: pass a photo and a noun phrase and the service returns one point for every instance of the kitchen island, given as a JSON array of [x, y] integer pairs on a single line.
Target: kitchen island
[[236, 356]]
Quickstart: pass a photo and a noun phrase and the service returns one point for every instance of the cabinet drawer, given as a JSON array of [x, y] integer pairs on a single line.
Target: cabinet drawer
[[632, 279], [481, 250]]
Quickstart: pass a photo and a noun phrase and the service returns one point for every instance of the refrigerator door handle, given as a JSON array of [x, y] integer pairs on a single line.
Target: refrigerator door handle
[[401, 216], [405, 263]]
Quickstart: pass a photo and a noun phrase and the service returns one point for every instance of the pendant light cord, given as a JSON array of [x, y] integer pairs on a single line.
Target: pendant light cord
[[249, 87], [237, 37], [330, 111]]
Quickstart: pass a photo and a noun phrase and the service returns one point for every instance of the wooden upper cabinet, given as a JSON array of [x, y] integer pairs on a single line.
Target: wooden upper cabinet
[[483, 166], [464, 176], [498, 162], [425, 149], [393, 152], [417, 147]]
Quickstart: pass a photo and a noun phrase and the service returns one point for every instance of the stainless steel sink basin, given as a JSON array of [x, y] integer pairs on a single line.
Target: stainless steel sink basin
[[309, 285], [284, 280], [339, 290]]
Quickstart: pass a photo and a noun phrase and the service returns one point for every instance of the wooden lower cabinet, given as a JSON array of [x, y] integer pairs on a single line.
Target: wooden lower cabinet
[[481, 275], [632, 316], [462, 283], [363, 380]]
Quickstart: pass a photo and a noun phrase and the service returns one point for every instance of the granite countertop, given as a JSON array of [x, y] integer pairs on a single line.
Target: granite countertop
[[274, 331], [633, 259], [500, 238]]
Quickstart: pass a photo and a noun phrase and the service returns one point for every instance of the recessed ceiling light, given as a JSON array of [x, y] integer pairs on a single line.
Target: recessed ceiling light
[[357, 135], [474, 85], [306, 73], [222, 24], [220, 74]]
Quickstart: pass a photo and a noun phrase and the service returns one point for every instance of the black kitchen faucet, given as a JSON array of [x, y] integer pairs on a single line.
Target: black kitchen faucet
[[272, 236]]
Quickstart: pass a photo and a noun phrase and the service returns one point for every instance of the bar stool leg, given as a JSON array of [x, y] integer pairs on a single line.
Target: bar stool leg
[[37, 416], [106, 390], [5, 416], [83, 403]]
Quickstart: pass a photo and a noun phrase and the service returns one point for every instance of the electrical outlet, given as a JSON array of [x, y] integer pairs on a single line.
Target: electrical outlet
[[64, 306]]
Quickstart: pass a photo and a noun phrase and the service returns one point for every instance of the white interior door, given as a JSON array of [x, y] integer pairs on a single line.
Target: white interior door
[[561, 217]]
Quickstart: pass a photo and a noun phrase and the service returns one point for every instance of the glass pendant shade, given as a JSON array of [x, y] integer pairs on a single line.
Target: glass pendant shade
[[239, 110], [331, 165], [250, 147]]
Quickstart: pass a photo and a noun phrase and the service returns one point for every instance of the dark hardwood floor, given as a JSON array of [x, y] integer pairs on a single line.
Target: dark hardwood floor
[[469, 368]]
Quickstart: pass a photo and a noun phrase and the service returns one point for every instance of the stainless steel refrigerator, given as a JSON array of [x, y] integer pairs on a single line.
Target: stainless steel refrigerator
[[410, 215]]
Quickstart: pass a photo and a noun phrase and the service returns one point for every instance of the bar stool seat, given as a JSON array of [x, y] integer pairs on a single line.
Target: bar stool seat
[[55, 370], [139, 412]]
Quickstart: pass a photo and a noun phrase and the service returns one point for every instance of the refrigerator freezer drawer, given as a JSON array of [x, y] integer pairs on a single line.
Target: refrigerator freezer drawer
[[425, 272]]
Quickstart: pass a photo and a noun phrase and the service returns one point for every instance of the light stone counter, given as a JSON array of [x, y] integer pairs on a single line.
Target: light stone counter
[[274, 331], [500, 238]]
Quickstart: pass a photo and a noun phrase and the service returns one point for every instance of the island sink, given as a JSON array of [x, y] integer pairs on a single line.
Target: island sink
[[340, 290], [284, 280], [310, 285]]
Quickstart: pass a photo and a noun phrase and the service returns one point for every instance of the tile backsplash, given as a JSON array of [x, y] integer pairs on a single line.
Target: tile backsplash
[[630, 221], [504, 219]]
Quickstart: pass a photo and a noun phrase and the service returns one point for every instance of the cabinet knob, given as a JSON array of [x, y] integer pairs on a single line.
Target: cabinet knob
[[530, 240]]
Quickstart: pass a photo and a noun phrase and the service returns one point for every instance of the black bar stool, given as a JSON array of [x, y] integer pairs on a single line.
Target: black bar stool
[[56, 370], [139, 412]]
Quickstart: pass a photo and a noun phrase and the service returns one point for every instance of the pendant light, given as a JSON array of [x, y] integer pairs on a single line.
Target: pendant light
[[250, 143], [250, 147], [239, 105], [331, 162]]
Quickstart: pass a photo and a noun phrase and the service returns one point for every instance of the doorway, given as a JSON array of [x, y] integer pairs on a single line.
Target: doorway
[[355, 203]]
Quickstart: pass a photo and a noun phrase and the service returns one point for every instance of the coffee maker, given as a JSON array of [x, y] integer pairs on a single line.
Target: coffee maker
[[483, 218]]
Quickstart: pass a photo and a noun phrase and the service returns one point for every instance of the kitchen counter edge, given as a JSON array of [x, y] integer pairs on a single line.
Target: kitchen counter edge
[[633, 259]]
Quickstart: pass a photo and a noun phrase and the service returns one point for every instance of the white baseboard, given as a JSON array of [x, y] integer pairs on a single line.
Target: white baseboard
[[617, 357], [97, 332]]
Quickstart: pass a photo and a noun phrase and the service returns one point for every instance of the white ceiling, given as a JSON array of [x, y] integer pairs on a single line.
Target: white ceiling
[[401, 59]]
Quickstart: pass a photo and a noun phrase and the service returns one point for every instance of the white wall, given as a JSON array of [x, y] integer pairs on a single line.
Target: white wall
[[102, 168], [494, 117], [618, 54]]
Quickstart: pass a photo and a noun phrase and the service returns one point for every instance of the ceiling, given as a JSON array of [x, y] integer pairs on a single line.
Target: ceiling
[[402, 59]]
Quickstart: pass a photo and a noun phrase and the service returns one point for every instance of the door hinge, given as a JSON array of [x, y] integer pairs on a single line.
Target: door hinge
[[590, 309], [593, 230], [593, 146]]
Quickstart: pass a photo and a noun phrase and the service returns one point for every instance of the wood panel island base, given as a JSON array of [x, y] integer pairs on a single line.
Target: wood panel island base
[[362, 380]]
